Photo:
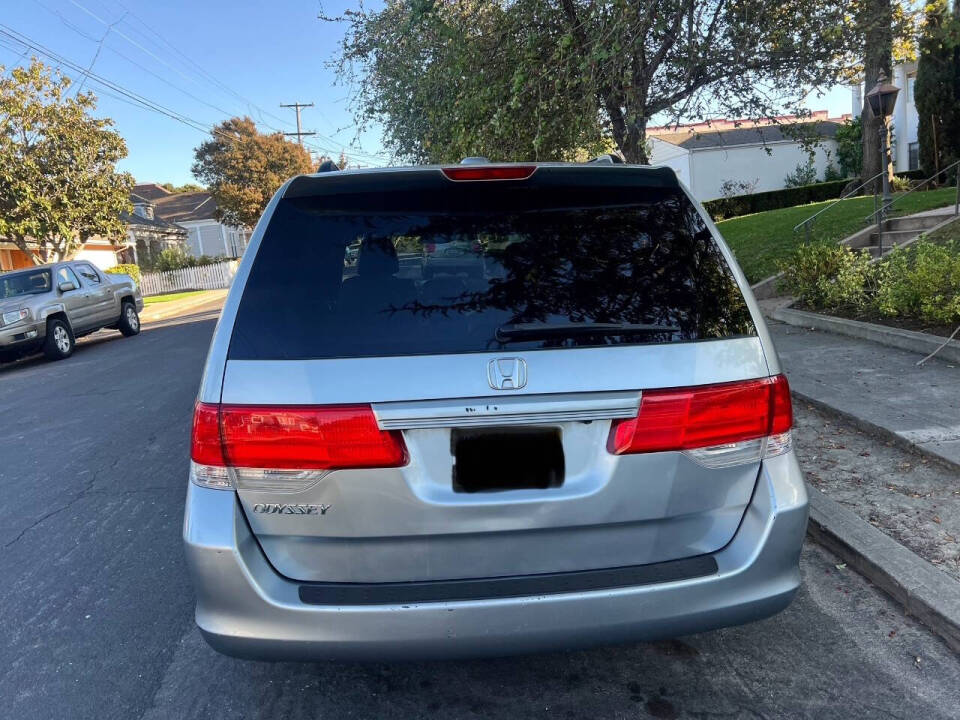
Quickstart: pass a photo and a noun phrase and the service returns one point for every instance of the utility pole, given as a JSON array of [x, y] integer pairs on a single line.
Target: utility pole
[[299, 133]]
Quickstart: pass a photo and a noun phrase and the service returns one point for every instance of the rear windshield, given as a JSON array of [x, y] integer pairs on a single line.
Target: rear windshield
[[477, 268]]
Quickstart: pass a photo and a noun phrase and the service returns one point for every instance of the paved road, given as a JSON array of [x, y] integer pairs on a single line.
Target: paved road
[[96, 609]]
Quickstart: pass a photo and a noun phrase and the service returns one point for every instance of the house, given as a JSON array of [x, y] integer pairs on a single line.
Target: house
[[758, 153], [12, 257], [146, 237], [160, 220], [99, 251], [196, 213], [147, 234], [904, 122]]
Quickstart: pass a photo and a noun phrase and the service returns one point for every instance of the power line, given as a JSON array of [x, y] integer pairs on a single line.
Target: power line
[[331, 142], [136, 98], [130, 60]]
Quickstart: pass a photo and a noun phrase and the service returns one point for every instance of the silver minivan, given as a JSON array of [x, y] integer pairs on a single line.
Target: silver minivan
[[536, 408]]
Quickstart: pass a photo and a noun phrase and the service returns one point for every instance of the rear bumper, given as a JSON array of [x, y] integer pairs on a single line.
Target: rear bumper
[[245, 608]]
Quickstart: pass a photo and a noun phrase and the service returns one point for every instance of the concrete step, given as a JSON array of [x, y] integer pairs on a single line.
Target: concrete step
[[893, 237], [890, 237], [918, 222]]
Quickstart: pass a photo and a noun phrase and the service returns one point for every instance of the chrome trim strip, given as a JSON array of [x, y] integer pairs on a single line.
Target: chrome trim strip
[[514, 410]]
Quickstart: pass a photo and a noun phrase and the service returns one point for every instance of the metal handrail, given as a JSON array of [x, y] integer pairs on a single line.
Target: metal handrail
[[806, 223], [882, 210]]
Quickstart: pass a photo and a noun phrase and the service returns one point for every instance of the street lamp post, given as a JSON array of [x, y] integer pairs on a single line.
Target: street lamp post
[[882, 99]]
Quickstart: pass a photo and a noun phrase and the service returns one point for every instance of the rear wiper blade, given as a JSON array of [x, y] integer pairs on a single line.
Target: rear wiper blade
[[512, 331]]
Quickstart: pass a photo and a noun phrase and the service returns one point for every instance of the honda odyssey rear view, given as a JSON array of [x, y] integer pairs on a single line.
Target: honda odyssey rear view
[[488, 409]]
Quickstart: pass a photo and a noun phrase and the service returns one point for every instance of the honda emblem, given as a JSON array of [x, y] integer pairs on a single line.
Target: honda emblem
[[507, 373]]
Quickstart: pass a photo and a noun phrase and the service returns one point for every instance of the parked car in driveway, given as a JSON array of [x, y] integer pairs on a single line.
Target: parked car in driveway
[[576, 433], [49, 306]]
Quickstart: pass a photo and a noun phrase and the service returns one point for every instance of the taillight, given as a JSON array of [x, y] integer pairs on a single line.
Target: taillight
[[205, 447], [272, 447], [717, 422], [489, 172]]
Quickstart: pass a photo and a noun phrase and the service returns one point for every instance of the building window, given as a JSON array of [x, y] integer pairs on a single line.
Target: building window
[[914, 150]]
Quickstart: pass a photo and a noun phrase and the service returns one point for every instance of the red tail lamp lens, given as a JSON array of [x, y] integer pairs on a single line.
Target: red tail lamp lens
[[704, 416], [295, 438], [489, 172], [205, 447]]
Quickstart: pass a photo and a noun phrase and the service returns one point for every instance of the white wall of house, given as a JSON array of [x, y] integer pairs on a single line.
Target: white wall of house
[[673, 156], [707, 168], [208, 237]]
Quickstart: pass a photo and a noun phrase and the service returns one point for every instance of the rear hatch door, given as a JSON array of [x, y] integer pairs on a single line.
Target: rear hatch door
[[497, 331]]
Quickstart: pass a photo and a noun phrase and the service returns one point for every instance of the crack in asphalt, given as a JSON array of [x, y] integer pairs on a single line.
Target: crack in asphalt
[[84, 492]]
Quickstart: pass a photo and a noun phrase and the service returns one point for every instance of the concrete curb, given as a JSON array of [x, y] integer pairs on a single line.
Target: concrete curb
[[176, 308], [924, 591], [917, 342], [878, 431]]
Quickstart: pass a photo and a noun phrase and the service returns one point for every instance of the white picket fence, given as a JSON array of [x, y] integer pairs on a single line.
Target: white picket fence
[[204, 277]]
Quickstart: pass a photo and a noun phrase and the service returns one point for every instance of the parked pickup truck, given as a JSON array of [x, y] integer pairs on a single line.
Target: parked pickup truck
[[49, 306]]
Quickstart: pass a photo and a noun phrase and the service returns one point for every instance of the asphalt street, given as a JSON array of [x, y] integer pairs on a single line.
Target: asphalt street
[[97, 611]]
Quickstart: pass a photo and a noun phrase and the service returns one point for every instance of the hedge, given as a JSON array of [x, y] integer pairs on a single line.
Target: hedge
[[723, 208], [912, 174], [131, 270]]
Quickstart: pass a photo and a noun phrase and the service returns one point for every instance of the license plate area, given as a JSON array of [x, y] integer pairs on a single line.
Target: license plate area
[[500, 459]]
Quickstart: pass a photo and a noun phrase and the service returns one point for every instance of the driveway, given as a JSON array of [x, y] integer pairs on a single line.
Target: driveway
[[97, 610]]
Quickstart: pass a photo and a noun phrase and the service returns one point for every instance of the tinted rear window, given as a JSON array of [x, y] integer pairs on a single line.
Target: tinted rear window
[[484, 268]]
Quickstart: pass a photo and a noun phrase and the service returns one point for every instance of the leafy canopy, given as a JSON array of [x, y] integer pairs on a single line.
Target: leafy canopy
[[558, 79], [243, 168], [937, 88], [58, 181], [185, 188]]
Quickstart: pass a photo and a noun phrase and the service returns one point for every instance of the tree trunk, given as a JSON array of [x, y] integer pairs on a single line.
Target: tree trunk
[[633, 142], [877, 20]]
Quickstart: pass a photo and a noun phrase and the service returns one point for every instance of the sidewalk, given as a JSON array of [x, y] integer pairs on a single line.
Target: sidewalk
[[878, 387], [889, 517], [207, 300]]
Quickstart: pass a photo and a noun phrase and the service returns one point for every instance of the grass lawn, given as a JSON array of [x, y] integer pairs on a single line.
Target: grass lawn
[[154, 299], [761, 240]]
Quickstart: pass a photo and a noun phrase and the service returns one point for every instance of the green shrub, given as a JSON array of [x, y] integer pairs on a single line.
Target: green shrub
[[129, 269], [850, 147], [899, 184], [728, 207], [171, 259], [911, 175], [922, 280], [177, 258], [803, 174], [830, 277], [831, 173]]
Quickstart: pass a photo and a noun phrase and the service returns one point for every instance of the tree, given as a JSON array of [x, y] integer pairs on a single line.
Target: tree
[[554, 79], [58, 181], [937, 88], [850, 147], [185, 188], [243, 168], [876, 24]]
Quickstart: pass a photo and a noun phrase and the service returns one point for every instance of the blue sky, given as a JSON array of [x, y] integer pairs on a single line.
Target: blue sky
[[208, 60], [268, 53]]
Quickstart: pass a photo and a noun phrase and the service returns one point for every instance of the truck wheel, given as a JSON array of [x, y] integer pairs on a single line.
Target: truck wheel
[[59, 343], [129, 319]]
